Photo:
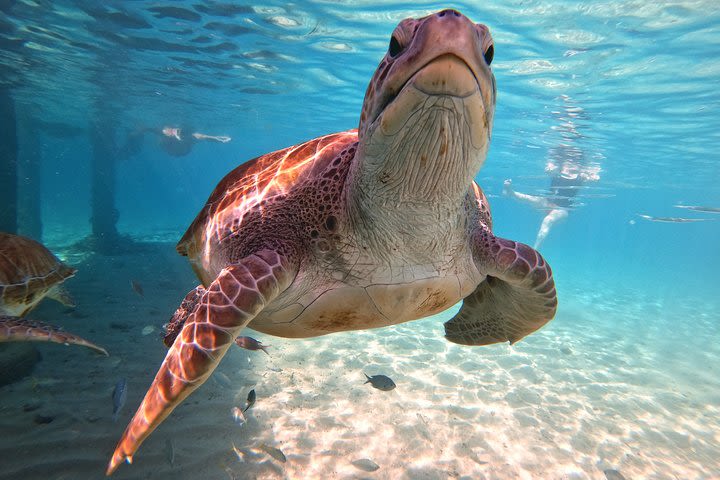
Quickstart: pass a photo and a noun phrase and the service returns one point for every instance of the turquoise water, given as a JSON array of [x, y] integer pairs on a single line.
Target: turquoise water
[[639, 299]]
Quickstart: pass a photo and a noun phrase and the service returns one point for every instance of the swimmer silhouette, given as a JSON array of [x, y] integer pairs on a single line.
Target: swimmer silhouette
[[568, 169], [176, 141]]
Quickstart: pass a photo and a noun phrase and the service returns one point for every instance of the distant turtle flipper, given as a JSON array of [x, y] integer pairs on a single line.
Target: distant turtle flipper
[[15, 329], [517, 297]]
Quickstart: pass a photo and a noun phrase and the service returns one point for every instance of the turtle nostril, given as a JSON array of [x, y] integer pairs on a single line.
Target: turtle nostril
[[449, 11]]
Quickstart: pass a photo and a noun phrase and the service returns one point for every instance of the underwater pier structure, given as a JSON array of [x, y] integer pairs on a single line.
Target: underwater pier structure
[[8, 163], [20, 160], [104, 214], [29, 180]]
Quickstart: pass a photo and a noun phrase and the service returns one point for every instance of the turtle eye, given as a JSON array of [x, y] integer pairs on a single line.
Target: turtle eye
[[489, 53], [395, 48]]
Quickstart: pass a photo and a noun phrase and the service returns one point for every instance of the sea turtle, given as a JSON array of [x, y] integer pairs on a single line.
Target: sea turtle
[[28, 273], [360, 229]]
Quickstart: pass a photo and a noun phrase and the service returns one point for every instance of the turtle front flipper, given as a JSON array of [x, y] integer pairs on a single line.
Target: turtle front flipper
[[60, 294], [516, 298], [231, 301], [16, 329]]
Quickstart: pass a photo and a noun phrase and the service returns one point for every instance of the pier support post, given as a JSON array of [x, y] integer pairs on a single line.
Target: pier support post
[[29, 181], [8, 163], [103, 170]]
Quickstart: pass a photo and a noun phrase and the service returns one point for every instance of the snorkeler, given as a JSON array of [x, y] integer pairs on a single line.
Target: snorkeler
[[176, 141], [568, 172]]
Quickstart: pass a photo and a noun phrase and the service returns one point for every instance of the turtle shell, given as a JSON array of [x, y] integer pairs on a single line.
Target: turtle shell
[[28, 272]]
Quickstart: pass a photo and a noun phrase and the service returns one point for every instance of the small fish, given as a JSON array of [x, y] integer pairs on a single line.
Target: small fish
[[422, 419], [611, 474], [137, 288], [169, 451], [365, 464], [238, 415], [249, 343], [240, 454], [250, 400], [381, 382], [119, 396], [275, 453], [698, 208], [672, 219]]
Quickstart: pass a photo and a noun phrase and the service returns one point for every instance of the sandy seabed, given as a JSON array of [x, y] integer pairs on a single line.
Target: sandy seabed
[[617, 381]]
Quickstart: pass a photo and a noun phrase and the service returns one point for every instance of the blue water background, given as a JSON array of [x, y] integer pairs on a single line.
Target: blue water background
[[644, 74]]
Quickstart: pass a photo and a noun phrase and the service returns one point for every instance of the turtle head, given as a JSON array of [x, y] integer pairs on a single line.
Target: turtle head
[[428, 110]]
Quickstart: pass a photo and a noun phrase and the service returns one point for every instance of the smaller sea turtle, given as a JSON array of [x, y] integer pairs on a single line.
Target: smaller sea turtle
[[28, 273]]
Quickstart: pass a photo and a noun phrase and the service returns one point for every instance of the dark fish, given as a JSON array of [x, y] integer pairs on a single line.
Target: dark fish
[[249, 343], [238, 416], [250, 400], [365, 464], [381, 382], [611, 474], [698, 208], [169, 451], [275, 453], [119, 396], [137, 288], [672, 219]]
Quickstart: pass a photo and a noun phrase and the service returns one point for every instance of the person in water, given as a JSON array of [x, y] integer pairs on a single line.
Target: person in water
[[568, 170], [176, 141]]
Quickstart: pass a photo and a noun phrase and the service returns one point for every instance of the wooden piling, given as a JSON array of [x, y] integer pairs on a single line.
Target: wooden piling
[[8, 163]]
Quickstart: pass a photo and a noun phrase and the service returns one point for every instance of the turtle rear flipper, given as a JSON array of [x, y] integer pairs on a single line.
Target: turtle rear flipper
[[232, 300], [517, 297]]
